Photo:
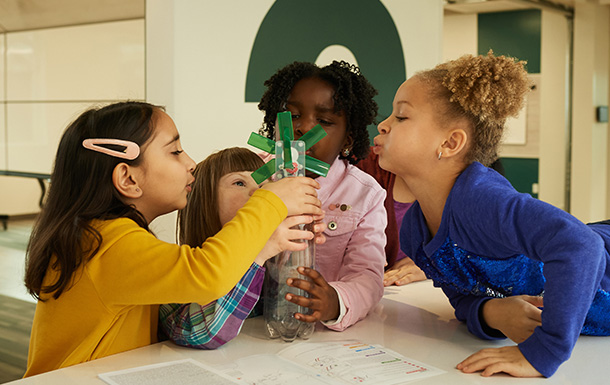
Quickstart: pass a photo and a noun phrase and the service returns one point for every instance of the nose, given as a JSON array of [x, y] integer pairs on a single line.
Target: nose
[[302, 127], [384, 127], [190, 163]]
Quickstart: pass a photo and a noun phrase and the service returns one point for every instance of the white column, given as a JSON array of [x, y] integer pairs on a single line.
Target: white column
[[554, 138], [589, 182]]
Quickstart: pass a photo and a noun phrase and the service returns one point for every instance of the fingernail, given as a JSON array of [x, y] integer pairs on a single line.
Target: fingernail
[[288, 297], [289, 281]]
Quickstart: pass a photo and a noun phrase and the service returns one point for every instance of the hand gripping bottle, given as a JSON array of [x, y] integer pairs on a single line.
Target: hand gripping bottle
[[290, 160]]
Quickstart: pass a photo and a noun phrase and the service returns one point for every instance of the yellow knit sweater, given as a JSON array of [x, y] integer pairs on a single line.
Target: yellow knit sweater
[[112, 305]]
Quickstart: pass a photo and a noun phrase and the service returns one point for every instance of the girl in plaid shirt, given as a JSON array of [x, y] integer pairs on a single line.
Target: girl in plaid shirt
[[222, 186]]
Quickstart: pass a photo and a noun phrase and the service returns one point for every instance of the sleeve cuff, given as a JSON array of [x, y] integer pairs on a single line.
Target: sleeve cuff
[[342, 312], [486, 330], [476, 324]]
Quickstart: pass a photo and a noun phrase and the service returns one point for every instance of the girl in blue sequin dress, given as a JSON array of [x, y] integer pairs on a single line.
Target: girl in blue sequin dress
[[511, 265]]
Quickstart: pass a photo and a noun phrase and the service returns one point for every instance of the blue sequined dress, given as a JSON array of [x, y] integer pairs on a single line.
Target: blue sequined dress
[[494, 242]]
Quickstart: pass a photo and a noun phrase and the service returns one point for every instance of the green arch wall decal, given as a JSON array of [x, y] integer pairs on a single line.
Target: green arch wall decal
[[300, 30], [515, 33]]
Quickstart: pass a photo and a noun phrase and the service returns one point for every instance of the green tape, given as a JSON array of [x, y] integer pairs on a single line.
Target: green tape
[[313, 136], [316, 166], [264, 172], [262, 143], [284, 125], [286, 134], [287, 155]]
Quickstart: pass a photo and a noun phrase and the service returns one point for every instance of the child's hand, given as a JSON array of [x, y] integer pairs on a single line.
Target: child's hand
[[403, 272], [324, 300], [285, 237], [298, 194], [508, 359], [318, 228], [516, 317]]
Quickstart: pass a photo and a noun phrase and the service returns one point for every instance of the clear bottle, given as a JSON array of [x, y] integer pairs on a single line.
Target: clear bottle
[[277, 310]]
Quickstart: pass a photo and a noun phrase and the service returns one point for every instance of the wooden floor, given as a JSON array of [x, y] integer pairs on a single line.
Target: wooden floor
[[15, 325], [16, 307], [13, 243]]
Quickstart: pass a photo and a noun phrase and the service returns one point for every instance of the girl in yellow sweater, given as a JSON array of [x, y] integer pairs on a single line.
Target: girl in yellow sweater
[[93, 264]]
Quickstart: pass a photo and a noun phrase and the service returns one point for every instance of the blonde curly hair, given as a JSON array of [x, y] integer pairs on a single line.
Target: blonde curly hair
[[485, 90]]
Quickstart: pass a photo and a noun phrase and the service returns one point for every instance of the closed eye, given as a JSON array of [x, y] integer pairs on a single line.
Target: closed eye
[[401, 118], [178, 152]]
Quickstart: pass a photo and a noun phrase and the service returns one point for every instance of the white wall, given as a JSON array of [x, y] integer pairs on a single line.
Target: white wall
[[420, 26], [197, 60], [553, 133], [52, 75], [202, 62], [2, 103], [460, 34]]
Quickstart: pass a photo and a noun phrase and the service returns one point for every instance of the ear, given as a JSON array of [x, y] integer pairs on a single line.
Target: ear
[[455, 142], [348, 143], [125, 181]]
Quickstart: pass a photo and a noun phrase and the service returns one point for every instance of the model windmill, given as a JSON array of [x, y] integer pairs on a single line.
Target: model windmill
[[290, 160]]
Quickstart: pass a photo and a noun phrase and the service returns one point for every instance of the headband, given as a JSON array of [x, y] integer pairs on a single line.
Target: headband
[[131, 151]]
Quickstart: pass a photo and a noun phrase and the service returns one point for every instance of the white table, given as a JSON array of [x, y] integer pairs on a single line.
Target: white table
[[415, 320]]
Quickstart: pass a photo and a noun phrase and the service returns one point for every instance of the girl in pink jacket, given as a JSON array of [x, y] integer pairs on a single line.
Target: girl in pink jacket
[[348, 280]]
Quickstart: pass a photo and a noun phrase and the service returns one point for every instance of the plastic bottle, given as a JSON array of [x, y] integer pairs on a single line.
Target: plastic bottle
[[277, 310]]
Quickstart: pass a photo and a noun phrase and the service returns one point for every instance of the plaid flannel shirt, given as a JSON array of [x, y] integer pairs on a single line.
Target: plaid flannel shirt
[[214, 324]]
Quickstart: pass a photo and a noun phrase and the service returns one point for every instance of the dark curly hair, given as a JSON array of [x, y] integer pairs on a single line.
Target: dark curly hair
[[353, 95]]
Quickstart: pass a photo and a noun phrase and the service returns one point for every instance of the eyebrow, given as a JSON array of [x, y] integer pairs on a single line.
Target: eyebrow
[[326, 109], [404, 102], [175, 139], [318, 108]]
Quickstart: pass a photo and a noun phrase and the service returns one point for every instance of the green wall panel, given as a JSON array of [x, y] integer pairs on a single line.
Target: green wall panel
[[301, 30], [522, 173], [515, 33]]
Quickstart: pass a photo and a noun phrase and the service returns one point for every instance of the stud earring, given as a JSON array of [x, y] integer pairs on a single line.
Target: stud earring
[[440, 154], [137, 190], [345, 152]]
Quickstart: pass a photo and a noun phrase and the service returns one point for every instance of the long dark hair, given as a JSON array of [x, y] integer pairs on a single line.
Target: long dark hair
[[353, 95], [81, 189]]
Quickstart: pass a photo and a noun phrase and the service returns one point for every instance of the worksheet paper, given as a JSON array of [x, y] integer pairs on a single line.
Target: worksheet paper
[[339, 362], [182, 372], [311, 363]]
